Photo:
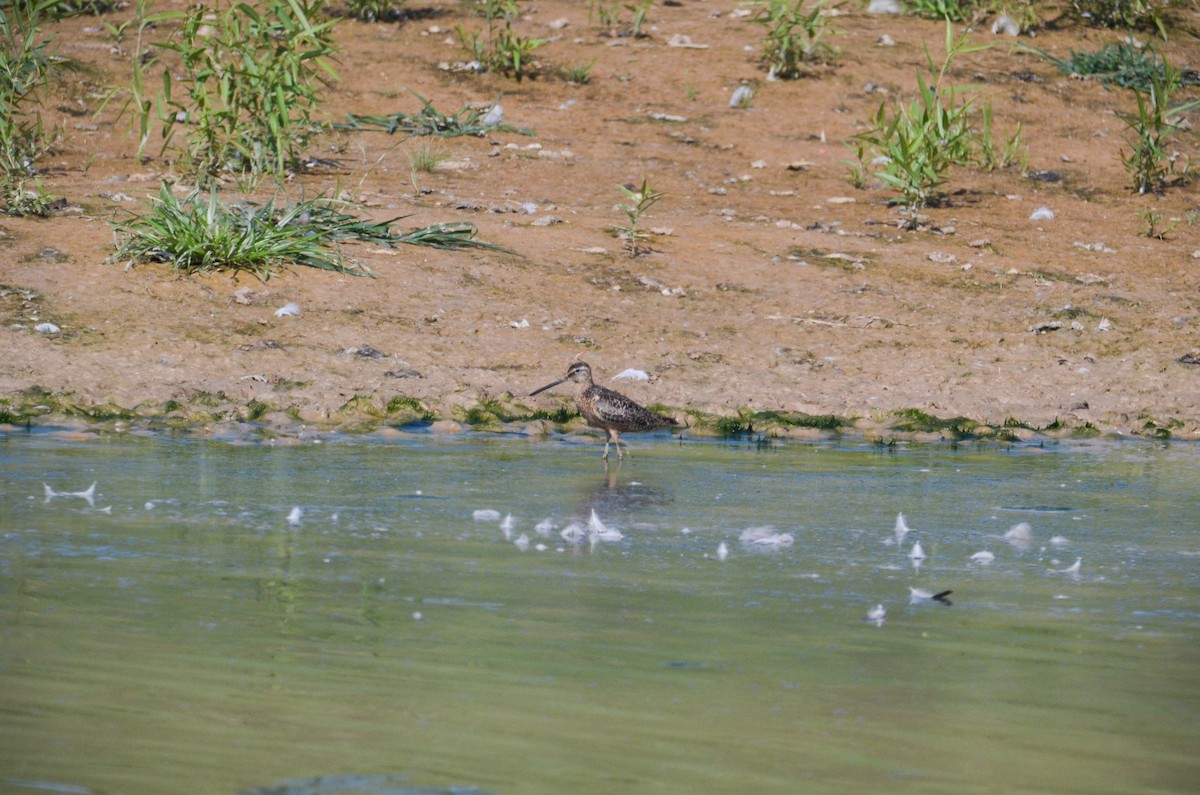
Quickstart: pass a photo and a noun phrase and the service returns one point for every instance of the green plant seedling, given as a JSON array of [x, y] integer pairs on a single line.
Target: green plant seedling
[[1124, 14], [918, 142], [578, 75], [250, 78], [637, 203], [1151, 126], [1152, 225], [25, 65], [795, 36]]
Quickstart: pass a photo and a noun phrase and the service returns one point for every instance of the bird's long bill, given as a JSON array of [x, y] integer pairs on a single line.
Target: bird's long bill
[[547, 386]]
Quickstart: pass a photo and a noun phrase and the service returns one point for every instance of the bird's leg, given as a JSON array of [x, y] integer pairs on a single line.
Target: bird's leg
[[607, 438], [617, 441]]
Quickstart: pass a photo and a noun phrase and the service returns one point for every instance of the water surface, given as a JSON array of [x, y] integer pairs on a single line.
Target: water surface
[[179, 636]]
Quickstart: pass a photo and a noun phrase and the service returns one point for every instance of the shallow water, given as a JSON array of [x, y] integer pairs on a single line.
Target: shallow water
[[179, 636]]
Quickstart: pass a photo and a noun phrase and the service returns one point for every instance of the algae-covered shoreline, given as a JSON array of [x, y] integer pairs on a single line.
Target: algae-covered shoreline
[[208, 415]]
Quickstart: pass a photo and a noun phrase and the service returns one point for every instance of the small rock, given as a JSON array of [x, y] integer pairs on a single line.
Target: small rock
[[1190, 358], [942, 258], [680, 40], [548, 220], [1045, 327], [366, 352], [885, 41], [404, 372]]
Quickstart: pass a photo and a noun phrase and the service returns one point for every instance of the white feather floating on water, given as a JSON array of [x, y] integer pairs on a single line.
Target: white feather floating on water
[[876, 615], [544, 527], [522, 542], [1019, 534], [722, 551], [293, 518], [88, 494], [983, 557], [902, 529], [573, 533], [290, 309], [765, 537], [486, 515], [507, 526], [918, 595], [598, 531], [917, 553], [1073, 569]]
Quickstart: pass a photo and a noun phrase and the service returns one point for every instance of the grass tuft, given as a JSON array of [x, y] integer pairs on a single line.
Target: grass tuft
[[203, 235], [429, 120]]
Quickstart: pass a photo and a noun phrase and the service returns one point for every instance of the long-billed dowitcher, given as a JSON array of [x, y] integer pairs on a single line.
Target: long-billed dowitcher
[[604, 408]]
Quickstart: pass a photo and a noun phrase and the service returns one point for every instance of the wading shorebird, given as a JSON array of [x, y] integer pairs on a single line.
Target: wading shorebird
[[604, 408]]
